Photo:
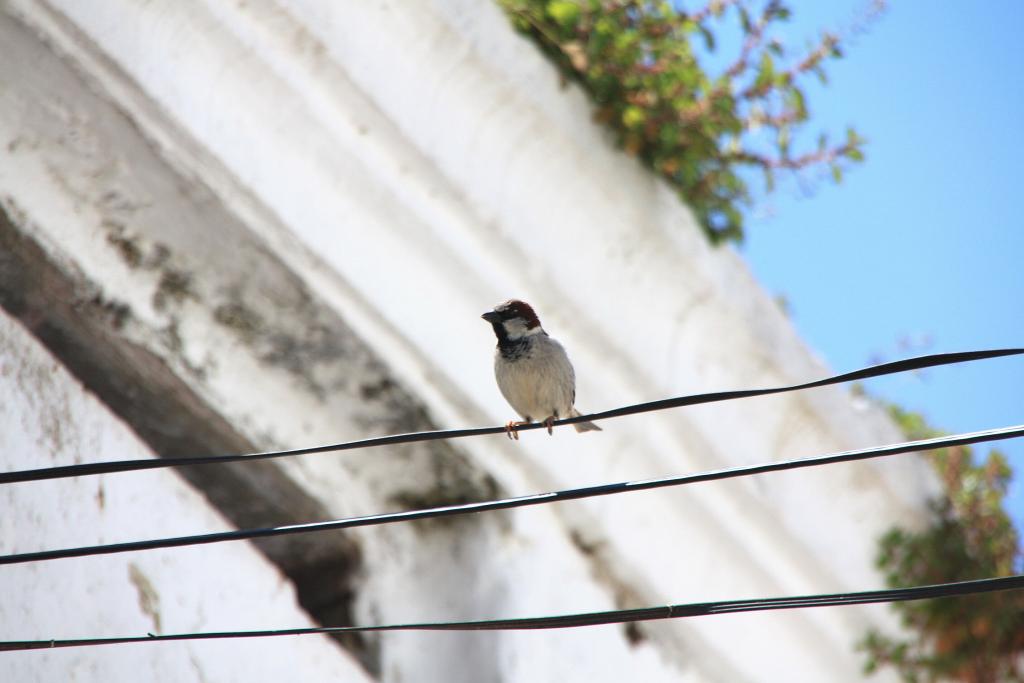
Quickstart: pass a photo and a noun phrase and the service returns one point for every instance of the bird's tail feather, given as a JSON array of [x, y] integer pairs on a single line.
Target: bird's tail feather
[[584, 426]]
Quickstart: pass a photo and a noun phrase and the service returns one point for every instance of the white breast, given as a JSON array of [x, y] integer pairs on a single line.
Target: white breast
[[540, 383]]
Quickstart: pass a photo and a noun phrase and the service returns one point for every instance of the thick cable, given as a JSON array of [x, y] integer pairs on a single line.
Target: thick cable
[[521, 501], [942, 590], [906, 365]]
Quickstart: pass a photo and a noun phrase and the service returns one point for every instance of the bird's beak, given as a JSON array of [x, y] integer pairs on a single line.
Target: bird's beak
[[491, 316]]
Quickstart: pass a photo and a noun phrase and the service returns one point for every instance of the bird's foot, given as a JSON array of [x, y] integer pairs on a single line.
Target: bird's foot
[[550, 424], [512, 429]]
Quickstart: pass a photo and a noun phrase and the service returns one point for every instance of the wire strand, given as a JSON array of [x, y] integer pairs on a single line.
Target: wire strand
[[521, 501], [942, 590], [109, 467]]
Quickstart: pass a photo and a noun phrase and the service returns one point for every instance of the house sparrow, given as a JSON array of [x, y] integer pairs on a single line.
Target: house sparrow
[[533, 371]]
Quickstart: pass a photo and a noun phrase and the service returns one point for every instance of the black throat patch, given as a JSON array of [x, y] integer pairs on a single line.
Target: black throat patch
[[514, 350], [511, 349]]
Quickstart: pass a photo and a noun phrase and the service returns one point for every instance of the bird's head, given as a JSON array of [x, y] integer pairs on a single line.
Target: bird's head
[[512, 320]]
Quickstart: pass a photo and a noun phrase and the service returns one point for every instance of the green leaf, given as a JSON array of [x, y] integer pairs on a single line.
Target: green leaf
[[765, 71], [709, 38], [625, 42], [783, 141], [745, 23], [564, 12], [604, 26], [795, 101], [633, 117]]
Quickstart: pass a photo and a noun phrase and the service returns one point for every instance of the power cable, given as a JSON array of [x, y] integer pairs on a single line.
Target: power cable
[[909, 364], [521, 501], [942, 590]]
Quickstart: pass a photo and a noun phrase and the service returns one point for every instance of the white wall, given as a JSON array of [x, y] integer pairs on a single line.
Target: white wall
[[46, 420], [411, 165]]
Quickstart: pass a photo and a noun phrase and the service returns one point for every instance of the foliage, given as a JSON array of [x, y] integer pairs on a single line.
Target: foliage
[[980, 638], [703, 132]]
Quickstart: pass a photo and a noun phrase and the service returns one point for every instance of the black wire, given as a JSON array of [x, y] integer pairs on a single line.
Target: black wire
[[521, 501], [109, 467], [942, 590]]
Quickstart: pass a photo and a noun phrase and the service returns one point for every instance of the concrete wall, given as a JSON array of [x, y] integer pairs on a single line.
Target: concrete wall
[[48, 419], [287, 217]]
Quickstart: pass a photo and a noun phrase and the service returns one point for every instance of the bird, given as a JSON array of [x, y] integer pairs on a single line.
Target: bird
[[532, 369]]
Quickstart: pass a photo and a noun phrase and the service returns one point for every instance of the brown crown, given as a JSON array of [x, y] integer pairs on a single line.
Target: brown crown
[[514, 308]]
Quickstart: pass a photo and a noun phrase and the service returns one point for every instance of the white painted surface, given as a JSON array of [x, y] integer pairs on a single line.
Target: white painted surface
[[413, 164], [47, 419]]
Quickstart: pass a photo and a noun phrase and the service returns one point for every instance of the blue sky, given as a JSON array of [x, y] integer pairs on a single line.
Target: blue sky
[[919, 249]]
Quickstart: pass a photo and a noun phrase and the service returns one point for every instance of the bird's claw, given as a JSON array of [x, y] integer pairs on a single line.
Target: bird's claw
[[512, 429], [550, 423]]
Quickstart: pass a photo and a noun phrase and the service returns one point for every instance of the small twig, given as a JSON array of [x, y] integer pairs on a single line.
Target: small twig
[[826, 156]]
